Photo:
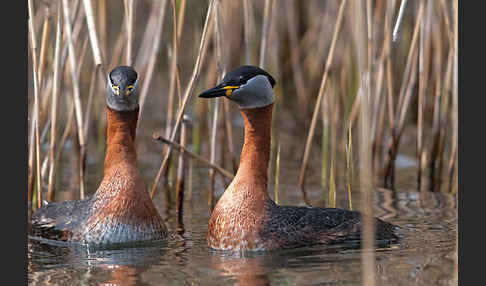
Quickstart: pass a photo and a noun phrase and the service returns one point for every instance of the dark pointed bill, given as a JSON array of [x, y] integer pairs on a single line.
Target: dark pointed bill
[[213, 92], [220, 90]]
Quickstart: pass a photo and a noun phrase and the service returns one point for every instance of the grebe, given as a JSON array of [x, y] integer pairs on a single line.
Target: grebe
[[245, 217], [121, 210]]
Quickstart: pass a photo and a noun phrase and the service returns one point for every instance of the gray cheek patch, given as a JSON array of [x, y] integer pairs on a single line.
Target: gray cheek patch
[[257, 92]]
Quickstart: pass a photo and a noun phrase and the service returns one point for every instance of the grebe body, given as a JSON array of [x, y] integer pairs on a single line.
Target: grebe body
[[121, 210]]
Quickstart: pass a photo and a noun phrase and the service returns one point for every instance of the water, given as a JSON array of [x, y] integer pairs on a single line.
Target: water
[[425, 256]]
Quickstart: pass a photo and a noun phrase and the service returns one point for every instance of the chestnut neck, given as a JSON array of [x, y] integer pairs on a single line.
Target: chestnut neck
[[120, 137], [256, 148]]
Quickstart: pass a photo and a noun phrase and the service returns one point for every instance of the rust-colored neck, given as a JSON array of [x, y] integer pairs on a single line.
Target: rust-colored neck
[[120, 137], [256, 148]]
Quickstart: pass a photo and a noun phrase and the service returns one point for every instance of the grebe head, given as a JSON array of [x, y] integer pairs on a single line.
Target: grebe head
[[248, 86], [121, 89]]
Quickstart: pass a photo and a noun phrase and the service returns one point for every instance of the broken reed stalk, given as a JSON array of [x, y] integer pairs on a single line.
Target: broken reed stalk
[[55, 96], [181, 170], [267, 19], [35, 121], [153, 56], [318, 102], [76, 94], [187, 93], [179, 148]]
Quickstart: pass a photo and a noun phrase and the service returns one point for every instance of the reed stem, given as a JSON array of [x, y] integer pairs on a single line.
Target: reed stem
[[153, 56], [267, 18], [76, 94], [318, 102], [55, 96], [35, 121]]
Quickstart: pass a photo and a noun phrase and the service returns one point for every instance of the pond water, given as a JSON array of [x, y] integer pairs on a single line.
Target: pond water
[[425, 255]]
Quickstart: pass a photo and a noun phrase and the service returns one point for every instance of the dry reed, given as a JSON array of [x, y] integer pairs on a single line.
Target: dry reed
[[35, 120]]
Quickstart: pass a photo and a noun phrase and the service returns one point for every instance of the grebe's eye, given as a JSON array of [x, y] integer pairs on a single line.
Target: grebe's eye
[[116, 89]]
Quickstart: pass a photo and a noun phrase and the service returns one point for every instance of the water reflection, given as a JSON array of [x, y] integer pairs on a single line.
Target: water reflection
[[251, 270], [266, 268], [116, 266]]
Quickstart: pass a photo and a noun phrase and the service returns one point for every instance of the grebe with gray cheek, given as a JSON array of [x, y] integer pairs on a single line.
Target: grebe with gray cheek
[[245, 217]]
